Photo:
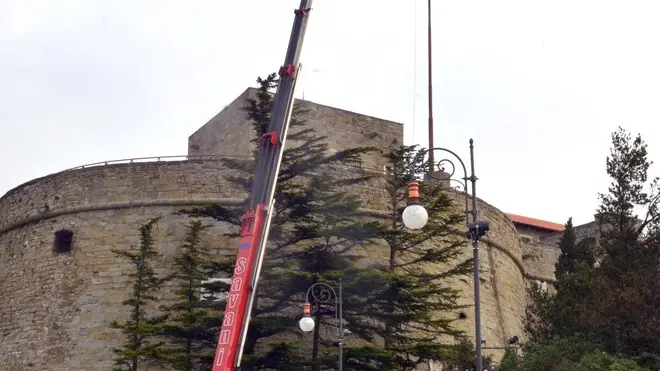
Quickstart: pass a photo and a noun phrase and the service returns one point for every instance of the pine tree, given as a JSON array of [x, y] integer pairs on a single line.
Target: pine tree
[[193, 318], [627, 312], [314, 224], [614, 306], [141, 329], [403, 303]]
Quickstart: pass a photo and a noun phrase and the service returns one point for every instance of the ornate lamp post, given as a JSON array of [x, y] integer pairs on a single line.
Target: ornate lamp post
[[415, 216], [326, 294]]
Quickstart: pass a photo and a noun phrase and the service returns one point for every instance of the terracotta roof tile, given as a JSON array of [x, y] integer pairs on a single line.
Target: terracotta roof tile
[[519, 219]]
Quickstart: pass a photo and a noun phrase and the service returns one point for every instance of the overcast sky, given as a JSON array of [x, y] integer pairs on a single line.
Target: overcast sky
[[539, 85]]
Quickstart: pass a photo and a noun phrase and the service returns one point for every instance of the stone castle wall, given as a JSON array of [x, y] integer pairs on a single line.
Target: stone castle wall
[[502, 287], [56, 308]]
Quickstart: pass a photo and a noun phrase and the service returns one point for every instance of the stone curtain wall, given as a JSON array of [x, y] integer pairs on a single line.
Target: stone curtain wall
[[56, 308], [502, 283]]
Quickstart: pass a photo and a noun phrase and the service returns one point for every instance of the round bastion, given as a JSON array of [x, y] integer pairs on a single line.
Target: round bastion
[[62, 286]]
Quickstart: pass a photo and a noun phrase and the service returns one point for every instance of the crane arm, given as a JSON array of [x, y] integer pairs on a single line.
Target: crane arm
[[255, 222]]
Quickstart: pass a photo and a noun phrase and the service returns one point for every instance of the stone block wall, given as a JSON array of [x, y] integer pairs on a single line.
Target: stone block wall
[[57, 307], [229, 132], [226, 132], [115, 185], [539, 259], [502, 281]]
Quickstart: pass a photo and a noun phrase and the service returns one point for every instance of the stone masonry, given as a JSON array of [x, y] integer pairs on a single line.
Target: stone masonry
[[57, 307]]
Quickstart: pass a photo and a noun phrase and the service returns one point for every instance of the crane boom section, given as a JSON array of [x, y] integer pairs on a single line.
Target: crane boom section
[[255, 222]]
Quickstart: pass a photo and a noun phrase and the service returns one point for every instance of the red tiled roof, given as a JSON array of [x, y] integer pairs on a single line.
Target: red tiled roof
[[519, 219]]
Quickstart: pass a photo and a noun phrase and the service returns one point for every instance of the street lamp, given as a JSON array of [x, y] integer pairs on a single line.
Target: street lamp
[[326, 295], [415, 216]]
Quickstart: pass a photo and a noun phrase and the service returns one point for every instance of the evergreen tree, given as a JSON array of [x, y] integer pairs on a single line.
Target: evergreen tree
[[314, 227], [567, 354], [405, 304], [628, 307], [614, 305], [628, 166], [574, 255], [336, 234], [510, 361], [539, 323], [461, 357], [567, 242], [193, 318], [141, 329], [563, 313]]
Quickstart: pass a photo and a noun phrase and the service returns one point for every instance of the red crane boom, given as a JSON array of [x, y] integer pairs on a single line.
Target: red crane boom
[[255, 222]]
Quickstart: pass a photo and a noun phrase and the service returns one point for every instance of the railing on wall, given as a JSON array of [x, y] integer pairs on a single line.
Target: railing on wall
[[181, 158], [137, 160]]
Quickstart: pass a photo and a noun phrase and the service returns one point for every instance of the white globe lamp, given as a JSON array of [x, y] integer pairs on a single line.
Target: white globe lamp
[[306, 324], [415, 216]]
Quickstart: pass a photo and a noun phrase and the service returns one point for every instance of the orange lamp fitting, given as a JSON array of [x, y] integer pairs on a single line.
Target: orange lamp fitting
[[413, 191], [307, 310]]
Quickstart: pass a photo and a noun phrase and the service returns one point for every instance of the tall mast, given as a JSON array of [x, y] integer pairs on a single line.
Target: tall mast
[[255, 222], [431, 162]]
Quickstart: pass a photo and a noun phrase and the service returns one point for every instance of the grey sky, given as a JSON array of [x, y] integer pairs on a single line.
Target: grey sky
[[539, 85]]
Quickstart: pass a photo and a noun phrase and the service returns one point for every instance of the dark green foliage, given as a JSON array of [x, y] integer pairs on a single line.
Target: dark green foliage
[[615, 304], [566, 312], [194, 317], [628, 166], [461, 357], [141, 345], [315, 224], [573, 255], [281, 356], [567, 242], [510, 361], [568, 354], [409, 307], [539, 320], [599, 360], [629, 282], [556, 355]]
